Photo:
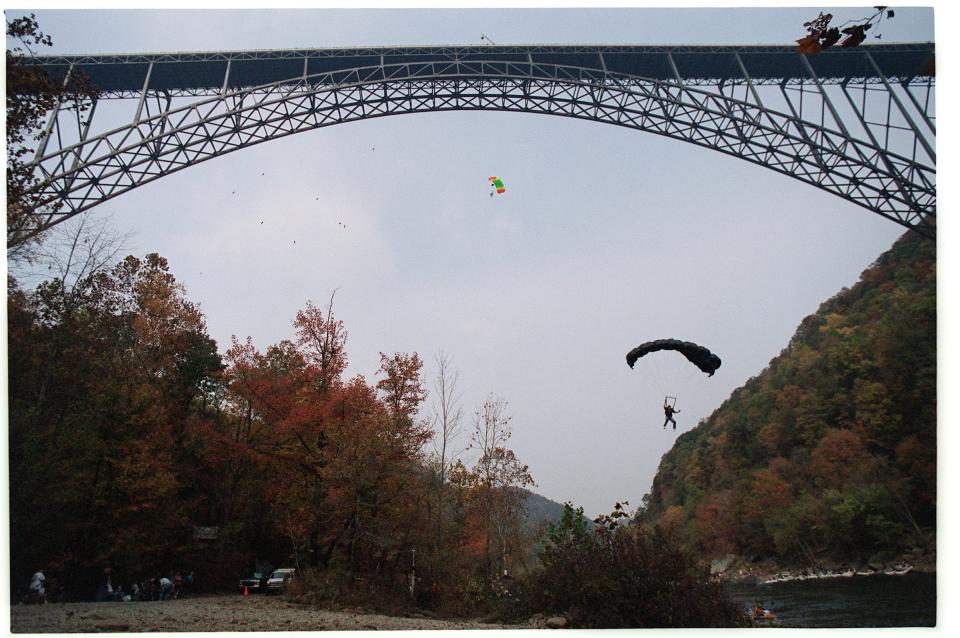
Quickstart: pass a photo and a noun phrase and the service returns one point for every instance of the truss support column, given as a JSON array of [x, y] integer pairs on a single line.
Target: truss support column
[[53, 119], [673, 67], [143, 94], [746, 76], [163, 121], [903, 111], [84, 133], [907, 197], [825, 97], [226, 77], [916, 103], [86, 125], [725, 101], [815, 148], [904, 191], [83, 138], [668, 116]]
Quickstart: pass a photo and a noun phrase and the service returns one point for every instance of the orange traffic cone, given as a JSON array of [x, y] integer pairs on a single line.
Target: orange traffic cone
[[246, 590]]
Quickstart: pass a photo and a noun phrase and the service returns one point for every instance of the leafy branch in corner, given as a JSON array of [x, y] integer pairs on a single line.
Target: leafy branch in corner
[[820, 35]]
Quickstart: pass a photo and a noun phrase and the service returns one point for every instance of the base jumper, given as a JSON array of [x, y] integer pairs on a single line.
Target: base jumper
[[669, 411]]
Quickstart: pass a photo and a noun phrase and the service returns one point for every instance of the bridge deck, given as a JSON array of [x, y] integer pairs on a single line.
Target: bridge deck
[[120, 75]]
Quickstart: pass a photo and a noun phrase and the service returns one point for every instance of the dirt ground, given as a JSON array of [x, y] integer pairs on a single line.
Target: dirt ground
[[227, 613]]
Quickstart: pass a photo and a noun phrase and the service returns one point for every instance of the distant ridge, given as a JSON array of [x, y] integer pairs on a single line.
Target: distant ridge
[[541, 510]]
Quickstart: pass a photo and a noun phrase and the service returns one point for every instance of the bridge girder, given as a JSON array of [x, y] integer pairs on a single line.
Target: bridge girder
[[736, 116]]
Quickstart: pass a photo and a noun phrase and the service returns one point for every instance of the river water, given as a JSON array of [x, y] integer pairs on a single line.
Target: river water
[[909, 600]]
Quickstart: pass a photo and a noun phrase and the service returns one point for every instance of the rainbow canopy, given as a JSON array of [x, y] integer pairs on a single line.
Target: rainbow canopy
[[498, 184]]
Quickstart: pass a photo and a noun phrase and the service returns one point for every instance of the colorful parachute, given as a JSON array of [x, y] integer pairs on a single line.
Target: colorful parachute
[[497, 183], [698, 355]]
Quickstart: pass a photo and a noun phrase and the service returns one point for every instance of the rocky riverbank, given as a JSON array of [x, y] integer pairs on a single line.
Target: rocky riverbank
[[733, 568], [227, 613]]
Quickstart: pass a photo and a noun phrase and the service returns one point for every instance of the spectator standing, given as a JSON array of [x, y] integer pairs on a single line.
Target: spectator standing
[[37, 593], [166, 588], [105, 586], [154, 588]]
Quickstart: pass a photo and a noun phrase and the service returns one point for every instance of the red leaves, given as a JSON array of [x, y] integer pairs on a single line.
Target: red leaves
[[329, 448], [402, 384], [322, 341], [818, 40], [820, 36], [840, 457], [809, 44]]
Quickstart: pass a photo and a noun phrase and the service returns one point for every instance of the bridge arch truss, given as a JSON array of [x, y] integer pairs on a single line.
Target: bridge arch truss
[[857, 123]]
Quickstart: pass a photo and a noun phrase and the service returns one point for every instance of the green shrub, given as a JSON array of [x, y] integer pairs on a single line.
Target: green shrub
[[619, 577]]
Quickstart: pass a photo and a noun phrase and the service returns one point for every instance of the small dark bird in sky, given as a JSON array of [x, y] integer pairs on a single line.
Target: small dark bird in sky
[[233, 192], [261, 222]]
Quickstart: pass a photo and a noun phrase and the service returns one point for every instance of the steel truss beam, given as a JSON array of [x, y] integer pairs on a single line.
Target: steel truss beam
[[794, 127]]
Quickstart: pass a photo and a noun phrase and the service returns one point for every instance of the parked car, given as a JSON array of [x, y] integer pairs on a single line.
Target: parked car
[[277, 583], [254, 583]]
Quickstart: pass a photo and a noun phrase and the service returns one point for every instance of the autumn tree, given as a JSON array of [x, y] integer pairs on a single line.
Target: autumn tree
[[322, 339], [498, 473], [342, 457], [104, 420], [282, 402]]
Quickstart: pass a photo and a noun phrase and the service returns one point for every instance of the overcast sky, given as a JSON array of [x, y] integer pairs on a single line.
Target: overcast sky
[[605, 238]]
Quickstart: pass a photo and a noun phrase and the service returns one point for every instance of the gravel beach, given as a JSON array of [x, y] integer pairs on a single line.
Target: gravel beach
[[227, 613]]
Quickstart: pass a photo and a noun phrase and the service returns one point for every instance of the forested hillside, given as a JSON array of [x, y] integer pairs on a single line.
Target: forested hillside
[[830, 453], [540, 510]]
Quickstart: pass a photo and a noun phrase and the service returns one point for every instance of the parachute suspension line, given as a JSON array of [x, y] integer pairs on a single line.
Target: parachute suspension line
[[650, 370], [703, 359], [693, 380]]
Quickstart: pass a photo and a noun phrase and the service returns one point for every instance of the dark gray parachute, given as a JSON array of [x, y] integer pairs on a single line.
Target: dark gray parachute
[[698, 355]]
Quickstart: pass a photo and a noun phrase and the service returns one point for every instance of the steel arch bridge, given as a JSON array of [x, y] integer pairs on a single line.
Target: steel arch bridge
[[859, 123]]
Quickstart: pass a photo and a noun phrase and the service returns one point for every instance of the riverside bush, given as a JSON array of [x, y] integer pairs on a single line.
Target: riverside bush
[[619, 576]]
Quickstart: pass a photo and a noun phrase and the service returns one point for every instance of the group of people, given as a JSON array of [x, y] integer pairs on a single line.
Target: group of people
[[156, 588], [165, 587]]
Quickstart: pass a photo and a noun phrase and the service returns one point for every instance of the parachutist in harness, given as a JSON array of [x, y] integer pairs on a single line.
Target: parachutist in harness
[[669, 411], [705, 360]]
